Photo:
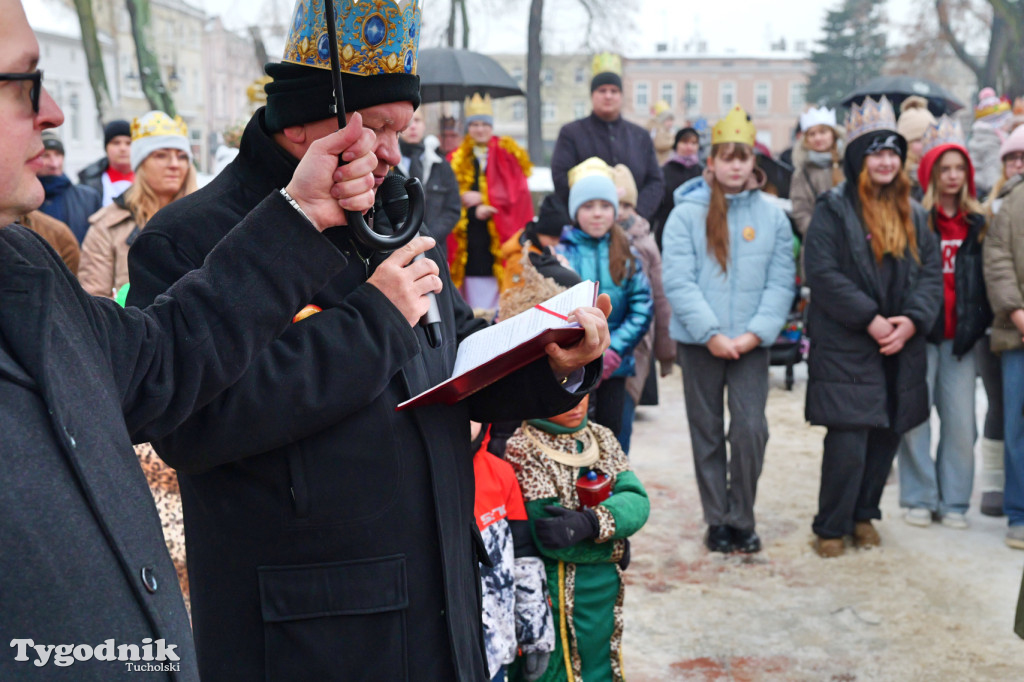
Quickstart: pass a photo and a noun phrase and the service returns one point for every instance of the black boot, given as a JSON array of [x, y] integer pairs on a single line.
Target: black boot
[[718, 539], [745, 541]]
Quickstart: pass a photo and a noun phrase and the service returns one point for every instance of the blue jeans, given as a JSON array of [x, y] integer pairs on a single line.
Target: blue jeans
[[1013, 422], [943, 485]]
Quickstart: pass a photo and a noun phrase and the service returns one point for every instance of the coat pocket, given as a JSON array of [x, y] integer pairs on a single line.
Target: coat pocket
[[335, 621]]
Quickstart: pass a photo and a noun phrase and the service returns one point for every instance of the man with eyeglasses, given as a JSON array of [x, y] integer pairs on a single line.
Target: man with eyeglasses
[[84, 573]]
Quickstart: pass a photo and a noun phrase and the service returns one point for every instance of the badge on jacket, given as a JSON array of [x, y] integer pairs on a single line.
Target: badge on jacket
[[748, 233]]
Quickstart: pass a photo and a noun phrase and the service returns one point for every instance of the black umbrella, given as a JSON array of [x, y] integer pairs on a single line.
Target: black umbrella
[[898, 88], [450, 75]]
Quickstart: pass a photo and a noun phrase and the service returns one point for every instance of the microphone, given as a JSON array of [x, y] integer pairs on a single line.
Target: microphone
[[395, 202]]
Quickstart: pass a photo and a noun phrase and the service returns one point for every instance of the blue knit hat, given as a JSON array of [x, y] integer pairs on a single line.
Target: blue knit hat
[[592, 187]]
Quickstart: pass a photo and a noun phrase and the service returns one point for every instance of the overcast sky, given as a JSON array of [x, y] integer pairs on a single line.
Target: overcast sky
[[503, 28]]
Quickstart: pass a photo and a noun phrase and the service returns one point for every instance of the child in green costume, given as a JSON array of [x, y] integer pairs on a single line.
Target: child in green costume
[[585, 548]]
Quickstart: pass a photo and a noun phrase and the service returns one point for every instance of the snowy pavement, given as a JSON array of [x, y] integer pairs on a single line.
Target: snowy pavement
[[930, 604]]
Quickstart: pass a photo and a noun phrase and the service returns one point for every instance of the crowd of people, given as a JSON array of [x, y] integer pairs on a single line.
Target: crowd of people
[[314, 530]]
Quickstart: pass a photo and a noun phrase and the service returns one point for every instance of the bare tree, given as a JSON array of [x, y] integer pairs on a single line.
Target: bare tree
[[94, 59], [149, 68], [457, 10], [607, 21], [1003, 65]]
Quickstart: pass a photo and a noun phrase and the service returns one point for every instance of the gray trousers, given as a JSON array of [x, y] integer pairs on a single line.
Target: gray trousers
[[727, 484]]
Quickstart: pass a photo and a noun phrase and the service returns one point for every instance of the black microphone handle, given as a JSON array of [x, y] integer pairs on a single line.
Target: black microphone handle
[[431, 320]]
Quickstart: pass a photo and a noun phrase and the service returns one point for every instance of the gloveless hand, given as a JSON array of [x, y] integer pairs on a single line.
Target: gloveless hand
[[721, 346], [880, 328], [746, 342], [323, 189], [904, 328], [406, 284], [596, 339]]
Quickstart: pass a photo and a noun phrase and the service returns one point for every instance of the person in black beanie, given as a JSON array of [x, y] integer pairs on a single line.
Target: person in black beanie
[[539, 238], [330, 536], [111, 175], [421, 160], [611, 138], [683, 165]]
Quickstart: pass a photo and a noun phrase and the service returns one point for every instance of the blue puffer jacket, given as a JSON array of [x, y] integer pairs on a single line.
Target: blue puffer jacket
[[757, 291], [632, 306]]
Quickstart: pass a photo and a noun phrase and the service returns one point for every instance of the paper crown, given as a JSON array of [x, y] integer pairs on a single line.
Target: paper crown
[[870, 116], [735, 127], [157, 123], [944, 131], [989, 104], [607, 62], [477, 106], [374, 36], [591, 166], [817, 116], [660, 107]]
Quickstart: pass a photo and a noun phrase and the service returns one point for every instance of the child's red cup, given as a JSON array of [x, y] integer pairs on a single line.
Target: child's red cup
[[593, 488]]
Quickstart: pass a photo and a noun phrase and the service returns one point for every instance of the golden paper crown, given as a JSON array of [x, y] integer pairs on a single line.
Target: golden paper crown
[[592, 166], [374, 36], [478, 106], [945, 131], [660, 107], [156, 123], [736, 127], [870, 116], [607, 62]]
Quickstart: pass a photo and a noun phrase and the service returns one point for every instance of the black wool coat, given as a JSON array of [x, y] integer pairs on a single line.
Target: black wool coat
[[847, 375], [82, 556], [615, 142], [674, 175], [973, 311], [330, 537]]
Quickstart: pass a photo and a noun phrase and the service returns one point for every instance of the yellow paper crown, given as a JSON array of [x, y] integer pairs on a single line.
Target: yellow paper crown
[[592, 166], [374, 36], [156, 123], [607, 62], [736, 127], [478, 106]]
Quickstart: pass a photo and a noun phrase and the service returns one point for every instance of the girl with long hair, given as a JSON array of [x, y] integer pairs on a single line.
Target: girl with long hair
[[819, 163], [162, 161], [730, 278], [598, 250], [943, 487], [875, 274]]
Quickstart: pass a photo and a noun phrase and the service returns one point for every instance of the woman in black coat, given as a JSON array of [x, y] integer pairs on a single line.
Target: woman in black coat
[[683, 165], [876, 287]]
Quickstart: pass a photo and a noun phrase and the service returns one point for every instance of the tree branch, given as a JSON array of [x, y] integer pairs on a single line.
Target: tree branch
[[958, 47]]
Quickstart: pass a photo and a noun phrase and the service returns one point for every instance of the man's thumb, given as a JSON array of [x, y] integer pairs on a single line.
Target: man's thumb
[[336, 143], [604, 304]]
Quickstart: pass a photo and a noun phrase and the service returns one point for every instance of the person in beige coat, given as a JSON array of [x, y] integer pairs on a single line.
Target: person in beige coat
[[818, 159], [1004, 280], [162, 161]]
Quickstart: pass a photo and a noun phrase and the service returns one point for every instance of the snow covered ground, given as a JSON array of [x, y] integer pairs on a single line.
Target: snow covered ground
[[931, 604]]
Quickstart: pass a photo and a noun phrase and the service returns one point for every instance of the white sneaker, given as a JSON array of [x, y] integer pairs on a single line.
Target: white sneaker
[[955, 520], [1015, 537], [918, 516]]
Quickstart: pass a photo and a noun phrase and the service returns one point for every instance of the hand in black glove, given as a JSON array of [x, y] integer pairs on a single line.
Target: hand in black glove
[[566, 527], [624, 561], [535, 663]]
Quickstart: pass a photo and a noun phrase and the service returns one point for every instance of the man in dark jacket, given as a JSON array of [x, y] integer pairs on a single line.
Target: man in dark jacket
[[608, 136], [68, 203], [329, 536], [111, 175], [420, 160], [83, 561]]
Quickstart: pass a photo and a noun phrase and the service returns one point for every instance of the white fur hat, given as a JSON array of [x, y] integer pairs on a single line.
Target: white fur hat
[[818, 116]]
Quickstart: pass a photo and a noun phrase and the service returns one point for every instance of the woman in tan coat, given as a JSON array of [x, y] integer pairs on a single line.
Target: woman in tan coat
[[162, 162], [818, 160]]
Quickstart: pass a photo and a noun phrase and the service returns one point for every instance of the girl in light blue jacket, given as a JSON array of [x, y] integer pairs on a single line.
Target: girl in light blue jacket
[[730, 278]]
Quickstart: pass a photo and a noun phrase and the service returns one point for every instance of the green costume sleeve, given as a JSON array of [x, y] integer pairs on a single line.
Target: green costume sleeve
[[586, 552], [629, 505]]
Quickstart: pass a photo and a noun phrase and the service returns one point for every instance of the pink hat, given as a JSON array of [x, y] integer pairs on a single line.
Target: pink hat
[[1013, 143]]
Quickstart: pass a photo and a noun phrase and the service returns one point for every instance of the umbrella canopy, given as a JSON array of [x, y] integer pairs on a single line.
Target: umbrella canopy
[[451, 75], [898, 88]]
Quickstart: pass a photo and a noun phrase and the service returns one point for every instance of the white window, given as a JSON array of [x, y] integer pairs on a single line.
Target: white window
[[726, 95], [642, 96], [74, 114], [548, 111], [667, 93], [518, 110], [579, 109], [547, 76], [580, 75], [517, 76], [797, 96], [692, 96], [762, 96]]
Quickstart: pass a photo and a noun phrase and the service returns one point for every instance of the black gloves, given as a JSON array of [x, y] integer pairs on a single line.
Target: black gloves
[[566, 527], [535, 664], [624, 561]]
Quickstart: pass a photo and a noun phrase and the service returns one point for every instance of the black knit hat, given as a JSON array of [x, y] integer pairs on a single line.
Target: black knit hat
[[683, 132], [51, 141], [116, 128], [304, 94], [606, 78], [552, 217]]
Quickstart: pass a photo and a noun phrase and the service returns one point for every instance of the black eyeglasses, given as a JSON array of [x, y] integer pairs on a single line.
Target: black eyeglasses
[[36, 77]]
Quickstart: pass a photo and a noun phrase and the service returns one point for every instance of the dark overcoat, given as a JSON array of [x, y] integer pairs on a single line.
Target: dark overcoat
[[82, 557], [330, 537], [847, 375]]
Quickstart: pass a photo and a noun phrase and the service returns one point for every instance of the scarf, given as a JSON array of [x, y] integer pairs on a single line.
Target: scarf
[[55, 186], [819, 159], [687, 160], [414, 152], [586, 455]]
